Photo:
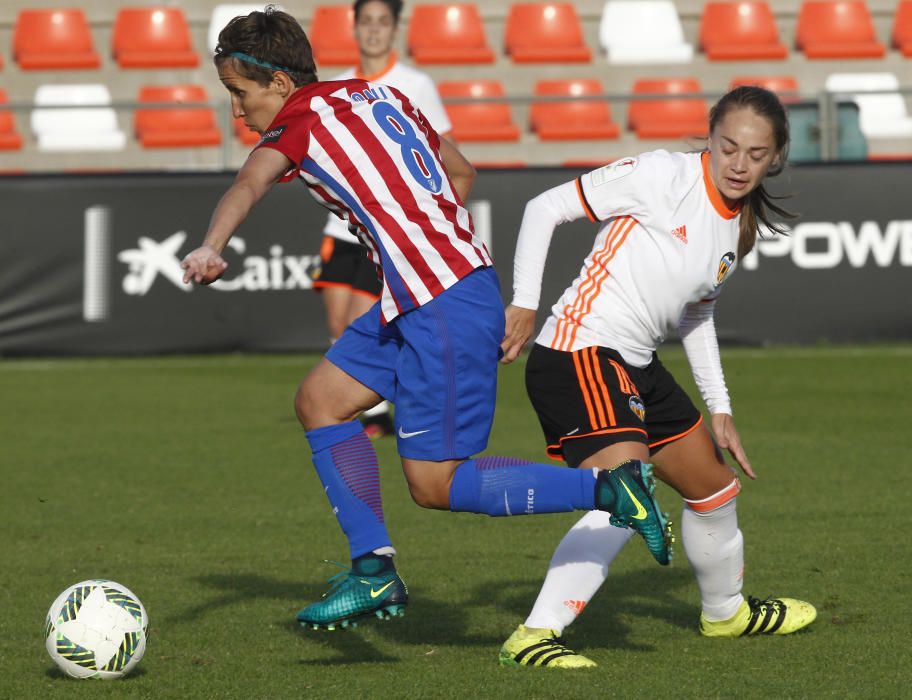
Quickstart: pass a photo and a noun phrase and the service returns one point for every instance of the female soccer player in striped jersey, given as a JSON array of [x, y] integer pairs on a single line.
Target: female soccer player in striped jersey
[[673, 228], [430, 344]]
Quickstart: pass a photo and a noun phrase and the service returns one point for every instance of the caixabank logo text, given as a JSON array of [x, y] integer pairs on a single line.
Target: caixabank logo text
[[154, 261]]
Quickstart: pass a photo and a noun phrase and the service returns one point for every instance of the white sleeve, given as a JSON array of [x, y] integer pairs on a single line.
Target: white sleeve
[[698, 333], [542, 215]]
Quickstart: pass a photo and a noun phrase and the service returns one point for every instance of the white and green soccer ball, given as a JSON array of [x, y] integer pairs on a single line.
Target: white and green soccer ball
[[96, 629]]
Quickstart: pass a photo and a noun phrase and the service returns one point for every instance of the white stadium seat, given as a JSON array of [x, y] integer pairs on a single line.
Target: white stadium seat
[[80, 125], [882, 115], [222, 15], [643, 31]]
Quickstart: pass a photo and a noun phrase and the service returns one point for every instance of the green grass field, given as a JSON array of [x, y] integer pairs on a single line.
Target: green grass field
[[189, 480]]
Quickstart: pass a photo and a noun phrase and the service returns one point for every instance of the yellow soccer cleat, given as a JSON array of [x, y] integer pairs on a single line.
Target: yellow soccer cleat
[[770, 616], [529, 646]]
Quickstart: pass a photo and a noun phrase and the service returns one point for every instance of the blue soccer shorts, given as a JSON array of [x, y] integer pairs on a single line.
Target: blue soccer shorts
[[437, 364]]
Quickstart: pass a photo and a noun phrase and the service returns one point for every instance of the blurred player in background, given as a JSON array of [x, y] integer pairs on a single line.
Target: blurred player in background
[[349, 282], [431, 344], [673, 228]]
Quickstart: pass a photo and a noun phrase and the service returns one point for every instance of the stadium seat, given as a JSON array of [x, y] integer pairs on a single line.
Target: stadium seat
[[574, 119], [54, 39], [668, 118], [152, 37], [10, 139], [448, 34], [478, 121], [837, 29], [642, 32], [85, 123], [883, 115], [243, 134], [785, 86], [773, 83], [545, 33], [221, 15], [740, 31], [804, 129], [332, 36], [175, 127], [902, 28]]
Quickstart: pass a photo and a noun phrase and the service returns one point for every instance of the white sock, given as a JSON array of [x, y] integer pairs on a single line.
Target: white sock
[[382, 407], [715, 548], [579, 566]]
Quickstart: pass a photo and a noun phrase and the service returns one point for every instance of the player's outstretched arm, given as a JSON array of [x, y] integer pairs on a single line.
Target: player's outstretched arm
[[461, 172], [259, 173]]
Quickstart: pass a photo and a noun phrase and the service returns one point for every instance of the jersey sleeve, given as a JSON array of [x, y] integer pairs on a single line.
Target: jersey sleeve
[[289, 134], [629, 186], [542, 214], [698, 335]]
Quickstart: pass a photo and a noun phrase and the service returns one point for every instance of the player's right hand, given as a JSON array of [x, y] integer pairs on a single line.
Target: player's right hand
[[203, 265], [520, 323]]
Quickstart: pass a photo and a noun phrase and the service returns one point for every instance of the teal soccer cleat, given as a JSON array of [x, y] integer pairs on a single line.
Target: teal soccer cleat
[[354, 597], [627, 493]]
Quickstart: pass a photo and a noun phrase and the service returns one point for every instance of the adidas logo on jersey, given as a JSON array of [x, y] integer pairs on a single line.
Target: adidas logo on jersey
[[680, 233]]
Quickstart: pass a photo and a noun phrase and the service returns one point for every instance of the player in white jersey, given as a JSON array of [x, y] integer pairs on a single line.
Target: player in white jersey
[[348, 281], [673, 228]]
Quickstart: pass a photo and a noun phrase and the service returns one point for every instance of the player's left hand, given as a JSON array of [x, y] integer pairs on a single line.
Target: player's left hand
[[203, 265], [727, 437], [519, 327]]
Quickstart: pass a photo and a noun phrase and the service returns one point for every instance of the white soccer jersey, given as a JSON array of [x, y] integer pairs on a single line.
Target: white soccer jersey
[[667, 240], [420, 89]]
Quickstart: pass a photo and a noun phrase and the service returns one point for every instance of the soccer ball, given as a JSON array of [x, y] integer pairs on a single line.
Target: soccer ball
[[96, 629]]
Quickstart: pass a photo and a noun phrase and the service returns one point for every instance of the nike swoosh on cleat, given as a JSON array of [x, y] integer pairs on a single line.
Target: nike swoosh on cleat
[[641, 511], [404, 435], [374, 593]]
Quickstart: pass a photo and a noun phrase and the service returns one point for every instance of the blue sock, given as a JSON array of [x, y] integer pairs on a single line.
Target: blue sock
[[504, 486], [346, 463]]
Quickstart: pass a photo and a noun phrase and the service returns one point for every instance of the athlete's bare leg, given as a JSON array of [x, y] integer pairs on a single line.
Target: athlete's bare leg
[[329, 396], [693, 465], [336, 301]]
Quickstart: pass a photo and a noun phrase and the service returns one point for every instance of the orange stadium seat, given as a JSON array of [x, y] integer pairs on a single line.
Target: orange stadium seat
[[670, 118], [837, 29], [243, 134], [782, 85], [740, 31], [10, 140], [902, 28], [574, 119], [448, 34], [331, 36], [152, 37], [175, 127], [479, 121], [541, 33], [54, 39]]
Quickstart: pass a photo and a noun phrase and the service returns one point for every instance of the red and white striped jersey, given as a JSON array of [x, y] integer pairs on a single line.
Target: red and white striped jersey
[[367, 154]]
